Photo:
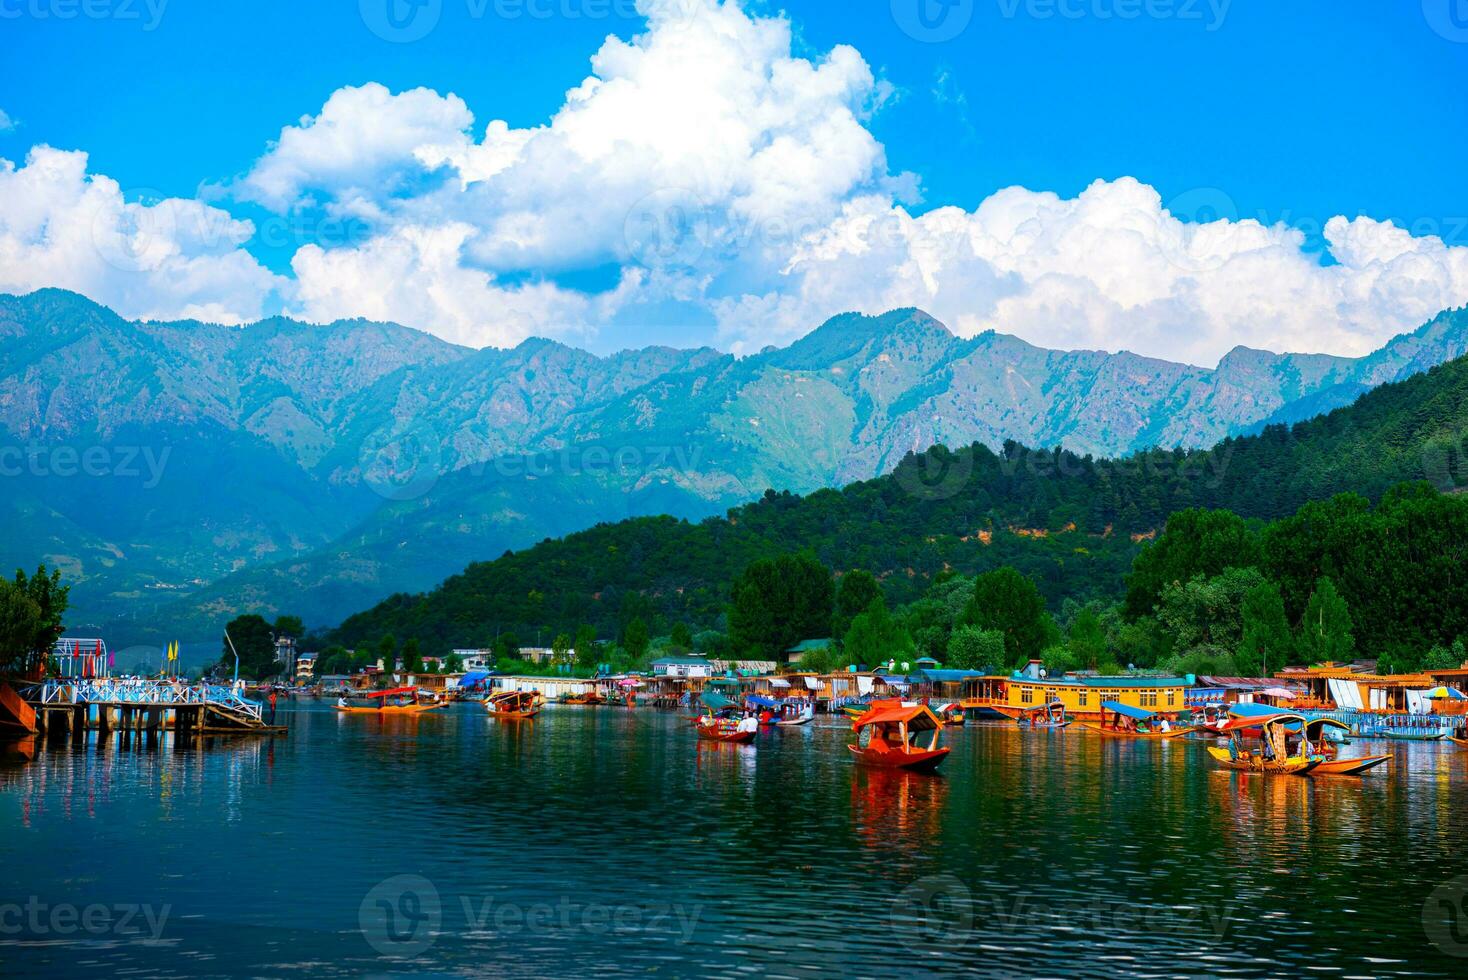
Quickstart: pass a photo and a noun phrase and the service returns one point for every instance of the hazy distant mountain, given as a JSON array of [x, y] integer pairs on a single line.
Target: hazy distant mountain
[[318, 468]]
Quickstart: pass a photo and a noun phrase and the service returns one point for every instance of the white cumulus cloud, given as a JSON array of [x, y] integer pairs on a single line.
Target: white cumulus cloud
[[706, 167], [62, 226]]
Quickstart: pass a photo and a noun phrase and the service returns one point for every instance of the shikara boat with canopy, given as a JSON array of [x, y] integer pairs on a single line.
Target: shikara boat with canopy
[[514, 705], [1045, 716], [1260, 743], [397, 701], [893, 735], [1124, 721], [1310, 738], [718, 724]]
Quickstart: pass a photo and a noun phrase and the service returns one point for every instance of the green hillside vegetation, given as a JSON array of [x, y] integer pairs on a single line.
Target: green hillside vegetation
[[1260, 531]]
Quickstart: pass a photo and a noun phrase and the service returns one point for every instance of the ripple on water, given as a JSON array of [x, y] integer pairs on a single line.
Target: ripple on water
[[613, 841]]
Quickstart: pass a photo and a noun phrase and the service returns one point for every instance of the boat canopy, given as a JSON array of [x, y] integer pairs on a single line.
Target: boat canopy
[[392, 693], [1127, 711], [779, 682], [716, 702], [1037, 709], [919, 718], [1238, 723], [474, 678], [762, 701]]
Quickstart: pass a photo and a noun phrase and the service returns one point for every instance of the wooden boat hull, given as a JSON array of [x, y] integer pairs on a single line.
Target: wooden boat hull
[[513, 715], [389, 709], [917, 761], [1458, 741], [731, 738], [1294, 766], [1414, 736], [1154, 736], [1349, 767]]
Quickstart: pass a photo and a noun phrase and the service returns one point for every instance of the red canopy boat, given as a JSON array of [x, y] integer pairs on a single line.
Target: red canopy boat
[[897, 736], [724, 730]]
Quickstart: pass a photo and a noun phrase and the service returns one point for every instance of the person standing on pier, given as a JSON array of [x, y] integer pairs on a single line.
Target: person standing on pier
[[272, 706]]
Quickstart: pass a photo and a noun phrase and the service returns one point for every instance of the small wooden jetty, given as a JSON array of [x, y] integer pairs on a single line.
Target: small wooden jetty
[[74, 706]]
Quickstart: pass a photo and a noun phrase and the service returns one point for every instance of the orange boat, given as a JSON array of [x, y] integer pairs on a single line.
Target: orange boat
[[397, 701], [514, 705], [1124, 721], [892, 735]]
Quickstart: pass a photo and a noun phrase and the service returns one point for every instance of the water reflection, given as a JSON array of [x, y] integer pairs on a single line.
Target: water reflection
[[1033, 852]]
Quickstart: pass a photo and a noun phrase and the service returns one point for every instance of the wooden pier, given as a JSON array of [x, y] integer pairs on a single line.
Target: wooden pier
[[70, 708]]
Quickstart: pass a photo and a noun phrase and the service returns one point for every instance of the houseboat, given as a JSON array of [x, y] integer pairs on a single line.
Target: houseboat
[[1082, 696]]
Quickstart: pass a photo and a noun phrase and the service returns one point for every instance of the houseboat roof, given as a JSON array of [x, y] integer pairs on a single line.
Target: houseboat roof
[[1119, 680], [941, 675], [688, 660], [819, 643]]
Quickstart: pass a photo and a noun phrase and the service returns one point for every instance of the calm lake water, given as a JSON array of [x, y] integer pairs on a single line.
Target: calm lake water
[[608, 841]]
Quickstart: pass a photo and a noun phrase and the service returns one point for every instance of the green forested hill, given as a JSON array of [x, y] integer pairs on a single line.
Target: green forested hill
[[1072, 523]]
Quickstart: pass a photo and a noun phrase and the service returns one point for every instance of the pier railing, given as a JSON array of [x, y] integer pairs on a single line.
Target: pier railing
[[1367, 724], [138, 691]]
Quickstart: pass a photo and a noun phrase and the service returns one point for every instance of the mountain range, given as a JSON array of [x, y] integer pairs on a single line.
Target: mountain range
[[1072, 525], [180, 472]]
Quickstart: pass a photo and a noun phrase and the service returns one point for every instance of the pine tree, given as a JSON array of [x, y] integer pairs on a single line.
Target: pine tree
[[1267, 643], [1325, 630]]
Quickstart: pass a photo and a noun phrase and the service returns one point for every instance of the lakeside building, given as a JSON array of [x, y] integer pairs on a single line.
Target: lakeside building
[[690, 665], [476, 659], [795, 654], [306, 667]]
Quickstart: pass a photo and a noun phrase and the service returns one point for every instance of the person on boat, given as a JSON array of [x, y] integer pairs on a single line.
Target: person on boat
[[341, 702], [749, 723]]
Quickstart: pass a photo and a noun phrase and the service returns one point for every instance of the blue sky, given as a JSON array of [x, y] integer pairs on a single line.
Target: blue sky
[[1290, 112]]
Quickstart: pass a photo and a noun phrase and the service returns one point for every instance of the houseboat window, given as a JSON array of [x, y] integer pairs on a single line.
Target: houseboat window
[[1081, 699], [1026, 695]]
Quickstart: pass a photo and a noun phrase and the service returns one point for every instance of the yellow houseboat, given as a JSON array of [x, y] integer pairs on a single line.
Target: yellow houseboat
[[1014, 696]]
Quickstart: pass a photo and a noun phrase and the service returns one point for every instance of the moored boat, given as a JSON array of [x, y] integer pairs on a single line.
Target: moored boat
[[1272, 754], [397, 701], [1313, 737], [1124, 721], [1413, 736], [719, 723], [514, 705], [1045, 716], [893, 735]]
